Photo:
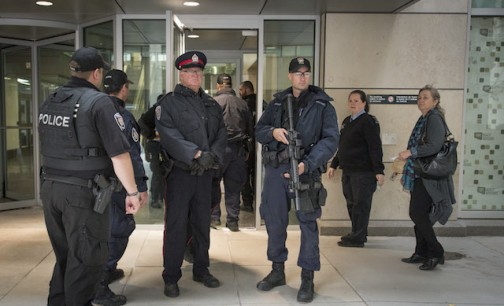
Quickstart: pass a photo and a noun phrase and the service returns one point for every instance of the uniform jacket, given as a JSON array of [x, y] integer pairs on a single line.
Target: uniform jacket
[[187, 122], [237, 116], [317, 126], [131, 131], [360, 147]]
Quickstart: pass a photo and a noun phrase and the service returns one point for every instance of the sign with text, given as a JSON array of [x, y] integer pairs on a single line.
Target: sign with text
[[392, 99]]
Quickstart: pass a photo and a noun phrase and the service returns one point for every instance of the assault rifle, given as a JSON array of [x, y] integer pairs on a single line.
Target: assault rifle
[[294, 154]]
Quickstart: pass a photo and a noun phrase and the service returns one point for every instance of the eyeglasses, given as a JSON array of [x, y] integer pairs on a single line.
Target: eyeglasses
[[302, 74], [193, 72]]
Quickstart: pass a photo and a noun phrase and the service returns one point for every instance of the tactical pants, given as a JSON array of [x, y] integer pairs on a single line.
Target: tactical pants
[[358, 189], [122, 226], [427, 244], [274, 209], [187, 201], [79, 239], [234, 174]]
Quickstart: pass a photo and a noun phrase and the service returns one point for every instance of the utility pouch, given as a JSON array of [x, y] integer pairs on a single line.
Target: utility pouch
[[305, 201], [166, 163], [322, 196], [103, 190], [270, 158]]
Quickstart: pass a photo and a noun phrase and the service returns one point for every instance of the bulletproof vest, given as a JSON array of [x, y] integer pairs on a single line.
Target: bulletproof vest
[[67, 134]]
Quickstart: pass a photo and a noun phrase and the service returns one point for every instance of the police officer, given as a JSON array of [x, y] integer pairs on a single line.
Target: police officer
[[147, 123], [193, 133], [82, 142], [116, 85], [238, 120], [316, 122]]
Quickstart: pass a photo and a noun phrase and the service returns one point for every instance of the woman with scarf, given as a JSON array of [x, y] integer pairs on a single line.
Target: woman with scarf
[[427, 195]]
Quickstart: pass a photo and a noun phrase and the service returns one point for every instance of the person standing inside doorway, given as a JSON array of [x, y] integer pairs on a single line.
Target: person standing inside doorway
[[238, 120], [316, 122], [192, 132]]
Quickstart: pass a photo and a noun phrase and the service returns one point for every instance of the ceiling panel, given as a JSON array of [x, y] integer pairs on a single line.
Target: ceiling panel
[[84, 11]]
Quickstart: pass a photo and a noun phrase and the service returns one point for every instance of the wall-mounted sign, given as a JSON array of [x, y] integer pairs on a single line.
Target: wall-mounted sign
[[392, 99]]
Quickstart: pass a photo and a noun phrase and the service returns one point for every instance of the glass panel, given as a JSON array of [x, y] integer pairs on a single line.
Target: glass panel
[[53, 66], [101, 37], [284, 40], [483, 183], [144, 60], [487, 3], [17, 151], [178, 49]]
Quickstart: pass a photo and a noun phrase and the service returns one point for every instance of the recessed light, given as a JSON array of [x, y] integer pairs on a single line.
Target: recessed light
[[191, 3], [192, 36], [44, 3]]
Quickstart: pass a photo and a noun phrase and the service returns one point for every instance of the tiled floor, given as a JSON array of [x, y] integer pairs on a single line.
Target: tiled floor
[[373, 275]]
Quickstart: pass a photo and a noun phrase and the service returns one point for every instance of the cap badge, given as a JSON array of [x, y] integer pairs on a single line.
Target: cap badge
[[300, 60], [195, 58]]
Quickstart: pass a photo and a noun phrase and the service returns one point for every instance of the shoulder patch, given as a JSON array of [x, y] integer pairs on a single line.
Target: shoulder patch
[[134, 135], [158, 112], [120, 121]]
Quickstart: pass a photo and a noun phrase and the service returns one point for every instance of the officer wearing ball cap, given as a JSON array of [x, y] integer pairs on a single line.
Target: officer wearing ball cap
[[193, 134], [116, 84], [81, 137], [317, 126]]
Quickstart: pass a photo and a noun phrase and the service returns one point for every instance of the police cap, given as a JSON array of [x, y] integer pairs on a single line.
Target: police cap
[[114, 80], [224, 78], [191, 59], [299, 62], [87, 59]]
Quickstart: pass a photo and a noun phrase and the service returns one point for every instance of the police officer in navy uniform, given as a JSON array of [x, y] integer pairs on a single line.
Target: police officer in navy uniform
[[116, 85], [193, 133], [238, 120], [82, 141], [147, 123], [316, 122]]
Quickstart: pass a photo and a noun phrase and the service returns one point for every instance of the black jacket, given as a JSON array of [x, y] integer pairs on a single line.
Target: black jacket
[[187, 122], [237, 116]]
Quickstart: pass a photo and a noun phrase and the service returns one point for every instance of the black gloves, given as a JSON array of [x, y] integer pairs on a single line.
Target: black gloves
[[196, 168], [206, 160]]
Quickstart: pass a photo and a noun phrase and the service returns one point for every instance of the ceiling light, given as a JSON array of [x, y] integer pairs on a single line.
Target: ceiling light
[[44, 3], [191, 3], [192, 36]]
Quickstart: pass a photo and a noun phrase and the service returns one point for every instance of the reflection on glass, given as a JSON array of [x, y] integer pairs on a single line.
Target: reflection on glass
[[101, 37], [487, 4], [17, 155]]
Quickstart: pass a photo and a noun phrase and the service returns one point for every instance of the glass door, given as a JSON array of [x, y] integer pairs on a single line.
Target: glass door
[[16, 139]]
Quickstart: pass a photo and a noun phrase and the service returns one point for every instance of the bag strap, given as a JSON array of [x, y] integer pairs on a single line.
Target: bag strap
[[447, 130]]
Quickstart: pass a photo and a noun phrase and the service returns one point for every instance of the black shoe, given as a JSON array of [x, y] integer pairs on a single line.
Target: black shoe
[[171, 290], [350, 244], [415, 258], [307, 289], [207, 279], [105, 297], [215, 222], [431, 263], [115, 275], [233, 226], [247, 208], [275, 278], [349, 237]]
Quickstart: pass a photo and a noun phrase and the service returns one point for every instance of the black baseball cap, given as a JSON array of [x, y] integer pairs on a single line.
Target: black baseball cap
[[191, 59], [114, 80], [224, 78], [87, 59], [297, 63]]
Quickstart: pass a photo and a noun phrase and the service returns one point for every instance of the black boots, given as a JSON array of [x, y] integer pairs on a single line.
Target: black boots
[[306, 291], [105, 296], [274, 279]]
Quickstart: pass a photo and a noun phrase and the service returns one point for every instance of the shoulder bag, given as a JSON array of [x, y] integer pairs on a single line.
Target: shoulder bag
[[440, 165]]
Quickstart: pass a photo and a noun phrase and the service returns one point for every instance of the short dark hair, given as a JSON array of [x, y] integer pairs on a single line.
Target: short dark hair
[[363, 98], [248, 84]]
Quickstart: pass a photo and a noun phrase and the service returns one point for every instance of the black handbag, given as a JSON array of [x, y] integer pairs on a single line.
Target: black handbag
[[440, 165]]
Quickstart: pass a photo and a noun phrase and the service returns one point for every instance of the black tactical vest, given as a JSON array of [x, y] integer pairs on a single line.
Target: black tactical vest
[[68, 137]]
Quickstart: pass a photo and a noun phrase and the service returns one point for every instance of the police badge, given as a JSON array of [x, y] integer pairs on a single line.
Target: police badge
[[158, 112], [120, 121]]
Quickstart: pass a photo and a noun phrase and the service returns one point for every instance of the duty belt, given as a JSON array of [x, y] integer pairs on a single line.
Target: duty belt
[[72, 180]]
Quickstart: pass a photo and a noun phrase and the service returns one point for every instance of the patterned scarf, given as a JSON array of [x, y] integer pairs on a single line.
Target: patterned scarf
[[409, 176]]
